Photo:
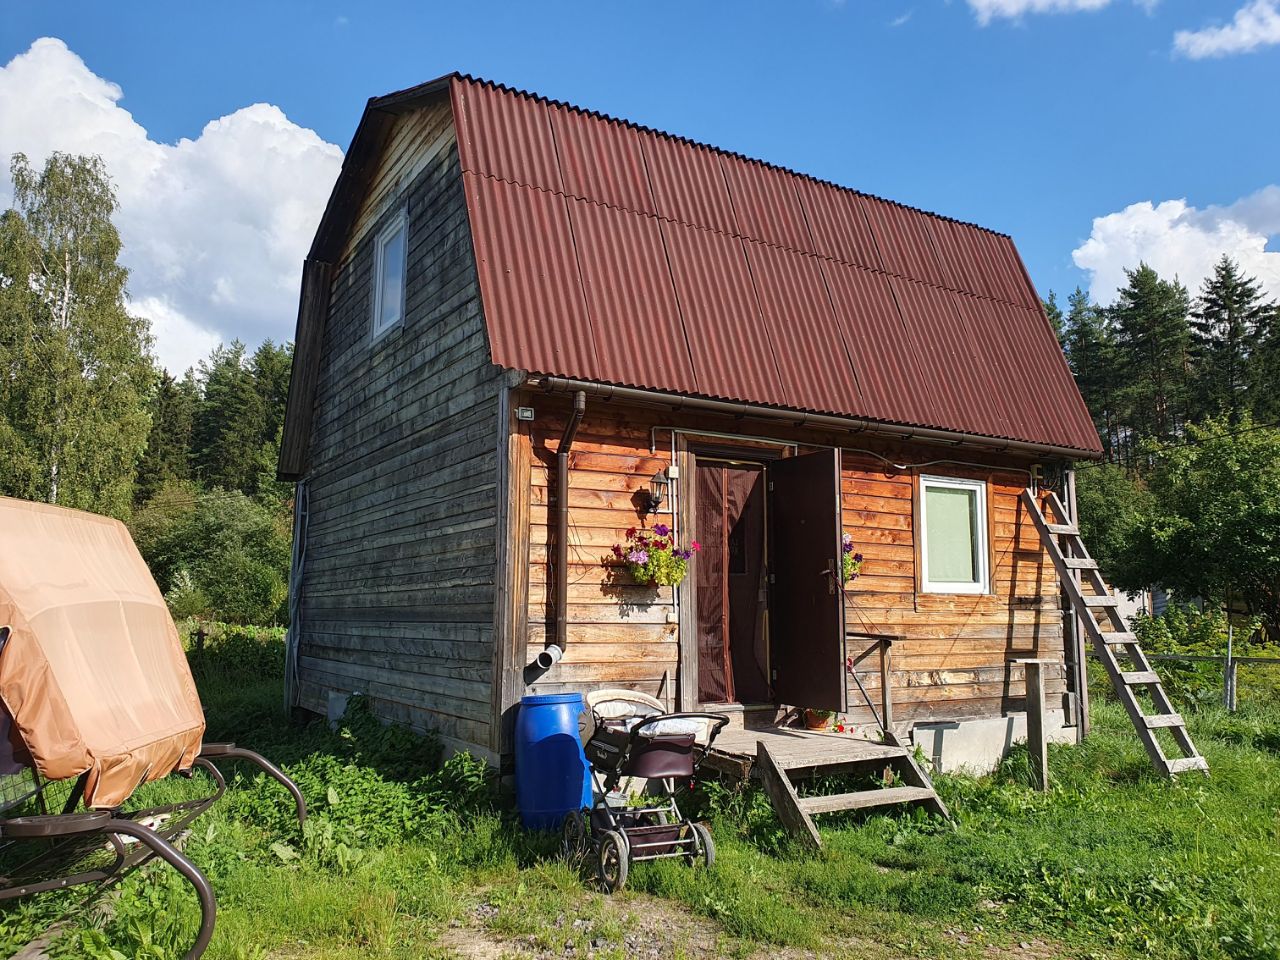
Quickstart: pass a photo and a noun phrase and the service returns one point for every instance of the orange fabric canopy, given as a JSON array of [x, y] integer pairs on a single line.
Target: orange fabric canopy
[[93, 673]]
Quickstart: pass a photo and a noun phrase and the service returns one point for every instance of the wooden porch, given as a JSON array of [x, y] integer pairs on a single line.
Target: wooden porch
[[799, 752], [780, 756]]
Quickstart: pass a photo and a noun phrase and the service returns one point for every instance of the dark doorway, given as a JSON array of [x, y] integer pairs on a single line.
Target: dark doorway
[[733, 647]]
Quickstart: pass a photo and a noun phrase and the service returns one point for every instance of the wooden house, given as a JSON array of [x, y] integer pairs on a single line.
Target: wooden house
[[523, 324]]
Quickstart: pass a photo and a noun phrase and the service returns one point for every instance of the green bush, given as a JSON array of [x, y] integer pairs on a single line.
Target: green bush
[[1186, 630], [218, 555]]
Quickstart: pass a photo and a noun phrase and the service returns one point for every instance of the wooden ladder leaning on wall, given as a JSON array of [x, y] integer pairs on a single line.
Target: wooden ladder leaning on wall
[[1112, 639]]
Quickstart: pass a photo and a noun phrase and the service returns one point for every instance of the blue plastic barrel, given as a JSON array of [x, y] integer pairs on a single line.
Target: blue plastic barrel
[[552, 777]]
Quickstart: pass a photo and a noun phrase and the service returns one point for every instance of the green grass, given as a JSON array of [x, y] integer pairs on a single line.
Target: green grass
[[404, 857]]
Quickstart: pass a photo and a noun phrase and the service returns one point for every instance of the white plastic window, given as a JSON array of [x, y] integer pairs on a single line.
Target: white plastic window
[[953, 531], [388, 276]]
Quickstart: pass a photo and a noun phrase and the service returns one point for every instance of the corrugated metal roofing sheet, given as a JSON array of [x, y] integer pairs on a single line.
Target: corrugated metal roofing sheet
[[838, 223], [765, 206], [537, 285], [890, 376], [813, 360], [721, 315], [620, 254], [688, 182], [601, 160], [506, 135], [626, 275]]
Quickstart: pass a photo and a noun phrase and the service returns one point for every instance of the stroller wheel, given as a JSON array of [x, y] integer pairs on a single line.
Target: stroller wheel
[[706, 844], [573, 837], [613, 861]]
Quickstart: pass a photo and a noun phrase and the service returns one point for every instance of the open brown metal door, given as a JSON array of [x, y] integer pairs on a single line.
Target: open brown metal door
[[806, 603]]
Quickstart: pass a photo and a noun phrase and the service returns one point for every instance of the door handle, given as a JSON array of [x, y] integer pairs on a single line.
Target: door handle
[[830, 574]]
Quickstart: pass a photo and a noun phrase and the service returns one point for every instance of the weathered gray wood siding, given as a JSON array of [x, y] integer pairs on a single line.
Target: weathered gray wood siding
[[398, 581]]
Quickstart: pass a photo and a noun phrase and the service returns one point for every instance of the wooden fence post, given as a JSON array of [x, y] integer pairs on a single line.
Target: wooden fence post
[[1037, 741]]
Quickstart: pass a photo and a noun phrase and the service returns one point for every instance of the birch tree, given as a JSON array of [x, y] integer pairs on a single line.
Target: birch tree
[[74, 365]]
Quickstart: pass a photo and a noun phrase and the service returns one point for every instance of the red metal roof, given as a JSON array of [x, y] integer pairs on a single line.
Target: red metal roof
[[611, 252]]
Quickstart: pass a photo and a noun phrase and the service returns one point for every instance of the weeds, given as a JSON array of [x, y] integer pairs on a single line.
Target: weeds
[[402, 843]]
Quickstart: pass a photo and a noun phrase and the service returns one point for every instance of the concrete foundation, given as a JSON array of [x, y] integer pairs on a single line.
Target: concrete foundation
[[978, 746]]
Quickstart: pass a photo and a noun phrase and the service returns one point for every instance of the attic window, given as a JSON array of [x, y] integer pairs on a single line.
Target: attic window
[[388, 272], [953, 532]]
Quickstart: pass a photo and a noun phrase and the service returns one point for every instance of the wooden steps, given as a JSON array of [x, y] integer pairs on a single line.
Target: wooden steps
[[865, 799], [1112, 639], [797, 813], [1139, 678]]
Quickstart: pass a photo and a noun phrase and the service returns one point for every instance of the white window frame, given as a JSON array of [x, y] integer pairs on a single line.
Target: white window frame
[[979, 488], [397, 223]]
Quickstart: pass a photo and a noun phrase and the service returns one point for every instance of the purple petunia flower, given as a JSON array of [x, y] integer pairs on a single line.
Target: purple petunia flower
[[639, 556], [661, 529]]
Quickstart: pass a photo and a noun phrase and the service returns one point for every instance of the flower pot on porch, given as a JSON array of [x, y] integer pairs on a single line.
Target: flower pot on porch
[[817, 719]]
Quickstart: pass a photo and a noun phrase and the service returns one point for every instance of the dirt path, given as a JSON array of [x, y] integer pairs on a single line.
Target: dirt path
[[657, 929]]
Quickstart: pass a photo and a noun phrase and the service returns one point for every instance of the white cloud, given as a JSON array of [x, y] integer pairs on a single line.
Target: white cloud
[[214, 229], [988, 10], [185, 343], [1180, 240], [1255, 25], [902, 19]]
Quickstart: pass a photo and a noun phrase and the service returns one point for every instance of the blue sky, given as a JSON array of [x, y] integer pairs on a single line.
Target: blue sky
[[1033, 123]]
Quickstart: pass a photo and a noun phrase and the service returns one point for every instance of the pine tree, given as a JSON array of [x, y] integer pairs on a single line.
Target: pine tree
[[1264, 368], [168, 455], [271, 368], [74, 364], [1056, 320], [1153, 338], [229, 422], [1227, 318], [1090, 350]]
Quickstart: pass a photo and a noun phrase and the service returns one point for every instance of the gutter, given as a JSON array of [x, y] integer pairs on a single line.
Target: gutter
[[552, 654], [797, 418]]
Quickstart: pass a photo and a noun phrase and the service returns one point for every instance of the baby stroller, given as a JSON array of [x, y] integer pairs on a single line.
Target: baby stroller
[[630, 737]]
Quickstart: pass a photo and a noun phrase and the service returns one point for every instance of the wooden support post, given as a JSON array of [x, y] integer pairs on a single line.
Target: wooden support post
[[886, 690], [1037, 741]]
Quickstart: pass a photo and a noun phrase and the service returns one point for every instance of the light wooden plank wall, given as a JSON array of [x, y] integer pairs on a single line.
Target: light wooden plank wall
[[954, 663], [398, 590]]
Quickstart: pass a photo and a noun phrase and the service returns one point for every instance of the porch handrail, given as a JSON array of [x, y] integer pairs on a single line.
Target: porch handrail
[[884, 643]]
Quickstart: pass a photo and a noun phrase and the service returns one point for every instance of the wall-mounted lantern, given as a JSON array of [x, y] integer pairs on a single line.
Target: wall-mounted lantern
[[657, 492]]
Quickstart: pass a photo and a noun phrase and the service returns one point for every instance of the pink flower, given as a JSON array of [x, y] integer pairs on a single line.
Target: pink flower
[[696, 546]]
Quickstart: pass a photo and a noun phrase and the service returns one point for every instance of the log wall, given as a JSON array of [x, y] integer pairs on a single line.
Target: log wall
[[953, 662], [398, 592]]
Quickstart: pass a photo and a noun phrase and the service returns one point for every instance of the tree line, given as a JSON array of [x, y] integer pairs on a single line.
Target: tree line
[[1159, 359], [1183, 392], [89, 420]]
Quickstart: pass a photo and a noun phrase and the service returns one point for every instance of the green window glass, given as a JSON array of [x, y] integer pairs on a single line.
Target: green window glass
[[954, 536]]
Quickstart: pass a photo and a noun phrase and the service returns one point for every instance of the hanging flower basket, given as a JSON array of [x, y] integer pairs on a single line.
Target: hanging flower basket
[[653, 558], [850, 562]]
